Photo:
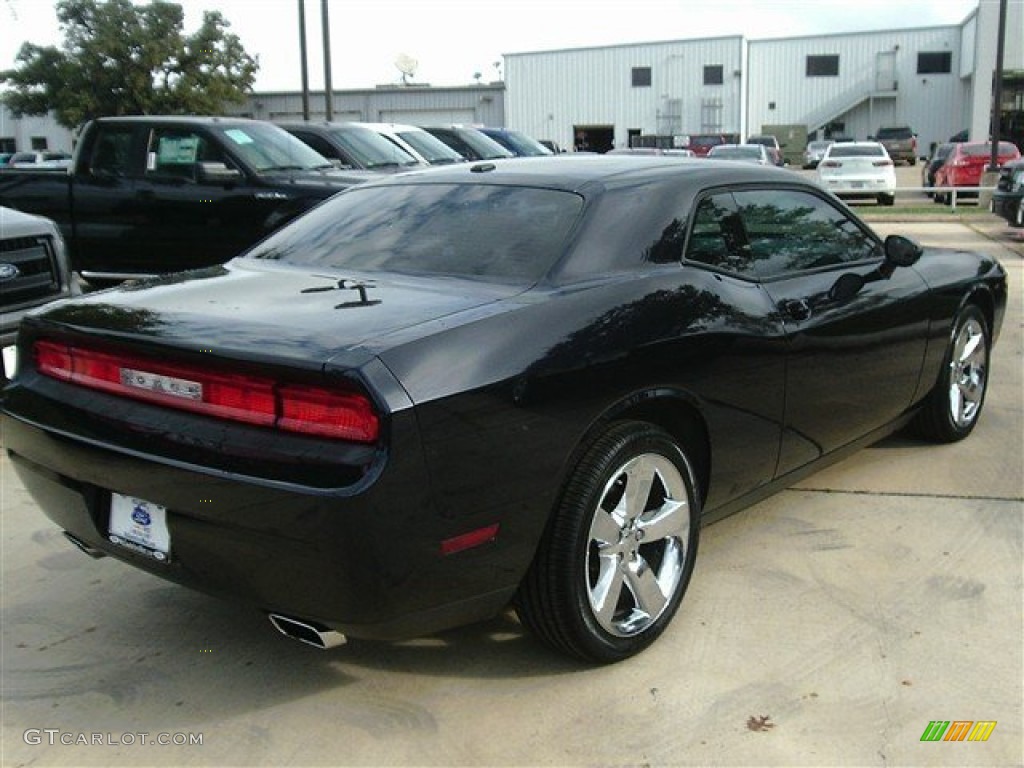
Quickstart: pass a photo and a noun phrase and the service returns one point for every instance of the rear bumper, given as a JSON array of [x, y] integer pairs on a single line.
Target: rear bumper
[[367, 562], [859, 188]]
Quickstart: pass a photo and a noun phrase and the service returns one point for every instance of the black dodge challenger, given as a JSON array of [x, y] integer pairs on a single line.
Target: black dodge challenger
[[525, 382]]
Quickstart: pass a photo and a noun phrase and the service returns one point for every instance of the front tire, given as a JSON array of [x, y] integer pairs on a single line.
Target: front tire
[[954, 406], [887, 200], [618, 553]]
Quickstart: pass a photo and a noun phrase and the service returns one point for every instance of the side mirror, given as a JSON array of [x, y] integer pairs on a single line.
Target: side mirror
[[218, 173], [901, 251]]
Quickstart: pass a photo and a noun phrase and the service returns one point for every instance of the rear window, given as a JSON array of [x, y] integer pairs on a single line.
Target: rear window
[[851, 150], [498, 233], [706, 141], [985, 150], [895, 133]]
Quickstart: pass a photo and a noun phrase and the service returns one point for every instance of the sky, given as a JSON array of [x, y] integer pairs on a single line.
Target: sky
[[452, 41]]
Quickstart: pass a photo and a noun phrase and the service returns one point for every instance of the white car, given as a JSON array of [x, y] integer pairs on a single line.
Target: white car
[[744, 153], [858, 169], [422, 145]]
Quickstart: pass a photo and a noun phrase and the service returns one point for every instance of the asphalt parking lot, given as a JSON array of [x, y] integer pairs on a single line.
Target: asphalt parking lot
[[827, 625]]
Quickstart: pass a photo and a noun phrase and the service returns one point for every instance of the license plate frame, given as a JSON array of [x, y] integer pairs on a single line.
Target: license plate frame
[[139, 526]]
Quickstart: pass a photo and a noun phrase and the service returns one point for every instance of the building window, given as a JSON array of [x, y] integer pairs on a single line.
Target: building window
[[39, 143], [641, 77], [823, 66], [937, 63], [713, 74]]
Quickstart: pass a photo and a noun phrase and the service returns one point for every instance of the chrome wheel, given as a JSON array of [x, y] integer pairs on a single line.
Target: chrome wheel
[[968, 369], [618, 552], [952, 409], [637, 544]]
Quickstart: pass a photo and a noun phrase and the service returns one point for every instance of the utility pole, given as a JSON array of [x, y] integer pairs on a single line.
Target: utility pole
[[303, 54], [997, 90], [328, 94]]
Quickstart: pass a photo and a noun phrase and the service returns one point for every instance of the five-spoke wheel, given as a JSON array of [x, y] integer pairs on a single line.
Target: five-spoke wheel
[[618, 552], [953, 407]]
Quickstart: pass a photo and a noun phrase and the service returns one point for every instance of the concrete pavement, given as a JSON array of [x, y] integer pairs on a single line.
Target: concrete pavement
[[827, 625]]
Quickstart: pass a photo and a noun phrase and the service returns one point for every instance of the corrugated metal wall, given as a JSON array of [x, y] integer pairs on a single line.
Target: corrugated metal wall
[[483, 104], [877, 84], [550, 93]]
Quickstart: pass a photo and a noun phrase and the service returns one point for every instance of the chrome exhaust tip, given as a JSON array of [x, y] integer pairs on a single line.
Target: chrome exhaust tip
[[90, 550], [307, 632]]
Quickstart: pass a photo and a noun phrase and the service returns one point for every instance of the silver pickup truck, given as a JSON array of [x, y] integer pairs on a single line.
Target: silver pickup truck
[[34, 270]]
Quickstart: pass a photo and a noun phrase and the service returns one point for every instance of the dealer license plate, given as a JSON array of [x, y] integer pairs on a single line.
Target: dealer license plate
[[857, 185], [140, 526]]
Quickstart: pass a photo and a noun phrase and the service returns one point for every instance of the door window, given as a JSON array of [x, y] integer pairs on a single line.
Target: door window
[[176, 153], [790, 231]]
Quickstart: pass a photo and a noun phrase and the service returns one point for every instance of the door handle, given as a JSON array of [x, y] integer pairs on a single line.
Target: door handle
[[797, 309]]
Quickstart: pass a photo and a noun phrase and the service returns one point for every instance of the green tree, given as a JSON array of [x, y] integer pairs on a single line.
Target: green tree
[[121, 59]]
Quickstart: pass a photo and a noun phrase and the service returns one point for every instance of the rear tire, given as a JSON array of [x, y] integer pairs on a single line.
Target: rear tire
[[617, 555], [952, 409], [887, 199]]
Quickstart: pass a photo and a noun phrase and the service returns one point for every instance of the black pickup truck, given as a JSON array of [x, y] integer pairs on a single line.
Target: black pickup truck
[[152, 195]]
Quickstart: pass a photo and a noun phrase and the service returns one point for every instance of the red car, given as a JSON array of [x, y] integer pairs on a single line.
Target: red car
[[966, 163], [701, 143]]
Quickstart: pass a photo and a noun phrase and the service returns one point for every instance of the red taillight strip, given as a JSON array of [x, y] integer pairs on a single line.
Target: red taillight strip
[[344, 414]]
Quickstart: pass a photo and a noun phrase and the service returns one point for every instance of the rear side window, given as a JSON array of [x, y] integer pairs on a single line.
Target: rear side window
[[717, 238], [505, 234], [111, 152]]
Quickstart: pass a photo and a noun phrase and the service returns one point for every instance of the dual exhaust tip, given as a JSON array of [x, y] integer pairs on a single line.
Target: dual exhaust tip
[[307, 632]]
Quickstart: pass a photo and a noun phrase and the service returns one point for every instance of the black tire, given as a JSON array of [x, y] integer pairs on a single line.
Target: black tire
[[596, 588], [887, 199], [952, 409]]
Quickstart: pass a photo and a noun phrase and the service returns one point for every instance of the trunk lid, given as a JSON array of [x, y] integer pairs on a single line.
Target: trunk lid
[[273, 314]]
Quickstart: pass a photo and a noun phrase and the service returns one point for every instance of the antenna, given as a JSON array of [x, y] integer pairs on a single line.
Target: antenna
[[407, 66]]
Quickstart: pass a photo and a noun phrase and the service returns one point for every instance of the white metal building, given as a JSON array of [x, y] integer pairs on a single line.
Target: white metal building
[[937, 80], [592, 97], [420, 105], [24, 133]]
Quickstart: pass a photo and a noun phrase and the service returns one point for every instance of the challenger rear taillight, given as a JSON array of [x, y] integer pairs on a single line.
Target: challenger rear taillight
[[832, 164], [881, 163], [343, 413]]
